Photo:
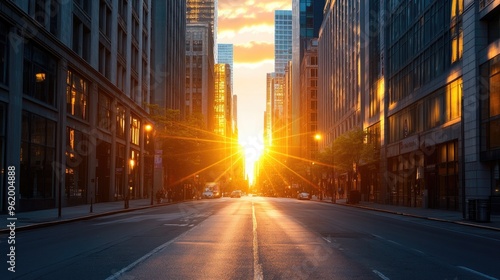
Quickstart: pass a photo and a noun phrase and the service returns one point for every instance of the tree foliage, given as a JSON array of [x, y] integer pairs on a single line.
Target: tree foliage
[[351, 149], [188, 148]]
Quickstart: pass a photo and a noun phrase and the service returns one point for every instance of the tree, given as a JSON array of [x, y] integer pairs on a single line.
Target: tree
[[188, 148], [350, 150]]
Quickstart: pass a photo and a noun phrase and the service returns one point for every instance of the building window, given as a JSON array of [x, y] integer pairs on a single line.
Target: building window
[[456, 45], [4, 53], [442, 106], [122, 9], [454, 100], [120, 121], [122, 41], [81, 38], [84, 5], [77, 95], [38, 142], [104, 111], [104, 61], [46, 13], [39, 74], [490, 107], [105, 19], [77, 145], [2, 144], [135, 125]]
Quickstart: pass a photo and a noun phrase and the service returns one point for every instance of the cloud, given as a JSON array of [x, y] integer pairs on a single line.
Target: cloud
[[253, 52], [238, 16]]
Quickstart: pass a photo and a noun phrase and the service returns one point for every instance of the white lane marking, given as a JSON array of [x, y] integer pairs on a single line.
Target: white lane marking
[[478, 273], [379, 274], [257, 267], [120, 273], [178, 225], [327, 239]]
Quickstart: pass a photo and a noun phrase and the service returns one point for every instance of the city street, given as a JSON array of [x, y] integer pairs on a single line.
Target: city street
[[256, 238]]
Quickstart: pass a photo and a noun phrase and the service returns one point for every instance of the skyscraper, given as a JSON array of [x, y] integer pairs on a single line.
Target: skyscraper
[[204, 11], [225, 55], [282, 40], [307, 18], [168, 54], [200, 73]]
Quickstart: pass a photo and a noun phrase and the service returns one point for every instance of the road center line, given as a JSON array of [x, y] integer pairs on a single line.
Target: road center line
[[257, 267]]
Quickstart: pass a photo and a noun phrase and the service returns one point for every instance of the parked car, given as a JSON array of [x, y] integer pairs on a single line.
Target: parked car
[[303, 196], [236, 194]]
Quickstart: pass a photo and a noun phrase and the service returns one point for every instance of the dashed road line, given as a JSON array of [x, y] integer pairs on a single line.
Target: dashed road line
[[381, 275]]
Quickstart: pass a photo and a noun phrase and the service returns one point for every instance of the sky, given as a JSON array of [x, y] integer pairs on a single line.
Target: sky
[[249, 26]]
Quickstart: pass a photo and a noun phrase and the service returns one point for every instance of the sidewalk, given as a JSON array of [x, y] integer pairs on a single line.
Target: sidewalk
[[43, 218], [423, 213]]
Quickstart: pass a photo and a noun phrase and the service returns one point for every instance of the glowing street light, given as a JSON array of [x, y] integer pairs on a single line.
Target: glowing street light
[[147, 129]]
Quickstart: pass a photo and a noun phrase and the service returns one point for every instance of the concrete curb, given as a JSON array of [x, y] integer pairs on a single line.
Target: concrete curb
[[82, 218]]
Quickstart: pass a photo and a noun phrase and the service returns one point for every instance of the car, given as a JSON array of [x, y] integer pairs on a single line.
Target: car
[[303, 196], [208, 194], [236, 194]]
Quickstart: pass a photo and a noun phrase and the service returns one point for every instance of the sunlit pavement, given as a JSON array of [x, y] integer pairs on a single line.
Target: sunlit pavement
[[43, 218]]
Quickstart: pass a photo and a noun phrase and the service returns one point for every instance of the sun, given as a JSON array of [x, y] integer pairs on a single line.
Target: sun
[[253, 148]]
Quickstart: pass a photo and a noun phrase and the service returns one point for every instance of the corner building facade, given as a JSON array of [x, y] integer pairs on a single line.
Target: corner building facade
[[440, 104], [75, 78], [429, 99]]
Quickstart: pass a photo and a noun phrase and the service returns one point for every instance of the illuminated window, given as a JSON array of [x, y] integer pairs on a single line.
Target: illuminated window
[[120, 121], [77, 93], [454, 100], [135, 124]]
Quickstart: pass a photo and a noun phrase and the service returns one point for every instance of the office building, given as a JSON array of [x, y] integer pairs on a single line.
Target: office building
[[75, 84], [199, 11], [309, 102], [200, 73], [429, 98], [168, 70], [307, 16], [226, 55], [282, 40]]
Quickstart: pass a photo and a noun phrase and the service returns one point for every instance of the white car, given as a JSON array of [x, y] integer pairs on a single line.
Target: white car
[[208, 194], [303, 195]]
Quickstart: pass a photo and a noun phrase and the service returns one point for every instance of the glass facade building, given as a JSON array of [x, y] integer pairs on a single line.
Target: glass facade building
[[282, 40], [76, 98], [426, 76]]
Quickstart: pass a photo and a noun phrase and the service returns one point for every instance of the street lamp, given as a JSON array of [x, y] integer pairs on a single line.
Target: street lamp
[[334, 190], [130, 181], [148, 128]]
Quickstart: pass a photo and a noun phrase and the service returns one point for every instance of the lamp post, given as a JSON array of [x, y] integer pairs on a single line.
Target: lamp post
[[334, 190], [131, 183], [148, 128]]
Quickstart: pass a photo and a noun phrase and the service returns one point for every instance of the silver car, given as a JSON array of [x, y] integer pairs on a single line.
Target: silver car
[[303, 196]]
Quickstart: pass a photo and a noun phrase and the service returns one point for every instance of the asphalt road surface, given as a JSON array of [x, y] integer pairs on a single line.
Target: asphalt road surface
[[255, 238]]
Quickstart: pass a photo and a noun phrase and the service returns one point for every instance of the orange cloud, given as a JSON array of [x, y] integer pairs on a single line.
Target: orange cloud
[[253, 52], [236, 15]]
